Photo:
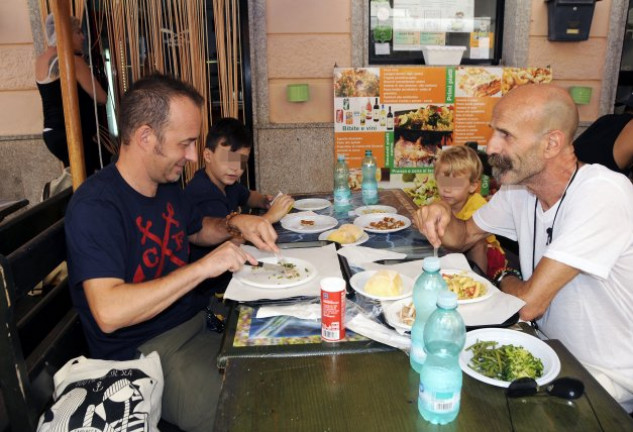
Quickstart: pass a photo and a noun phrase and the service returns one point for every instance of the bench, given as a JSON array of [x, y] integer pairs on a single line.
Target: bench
[[40, 333], [19, 229]]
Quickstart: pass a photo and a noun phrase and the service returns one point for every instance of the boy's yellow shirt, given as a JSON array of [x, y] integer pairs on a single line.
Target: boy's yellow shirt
[[474, 202]]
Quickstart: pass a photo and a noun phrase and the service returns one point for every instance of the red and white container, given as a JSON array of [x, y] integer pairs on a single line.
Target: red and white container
[[332, 309]]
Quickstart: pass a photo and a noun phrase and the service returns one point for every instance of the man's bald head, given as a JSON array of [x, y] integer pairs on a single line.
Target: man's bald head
[[548, 106]]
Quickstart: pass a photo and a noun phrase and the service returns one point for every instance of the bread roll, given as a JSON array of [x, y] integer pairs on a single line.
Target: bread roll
[[347, 233], [384, 283]]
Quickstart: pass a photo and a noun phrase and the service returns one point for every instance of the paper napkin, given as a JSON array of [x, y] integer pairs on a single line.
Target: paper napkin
[[360, 255]]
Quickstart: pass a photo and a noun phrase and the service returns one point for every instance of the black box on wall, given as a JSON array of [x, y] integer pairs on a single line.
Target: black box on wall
[[569, 20]]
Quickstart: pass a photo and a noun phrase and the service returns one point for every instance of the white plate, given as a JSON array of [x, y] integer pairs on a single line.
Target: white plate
[[265, 278], [362, 239], [320, 223], [490, 288], [392, 310], [538, 348], [371, 209], [359, 280], [365, 220], [311, 204]]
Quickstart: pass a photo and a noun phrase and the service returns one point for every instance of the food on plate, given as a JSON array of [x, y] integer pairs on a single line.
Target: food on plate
[[307, 222], [289, 271], [387, 223], [347, 233], [373, 210], [478, 82], [407, 314], [464, 286], [427, 118], [506, 363], [384, 283], [424, 190], [359, 82], [513, 77]]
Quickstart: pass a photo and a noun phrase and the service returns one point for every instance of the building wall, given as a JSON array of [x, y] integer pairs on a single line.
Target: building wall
[[301, 40], [25, 162]]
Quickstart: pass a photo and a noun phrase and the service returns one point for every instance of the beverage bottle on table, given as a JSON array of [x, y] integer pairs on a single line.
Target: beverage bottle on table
[[369, 186], [441, 376], [342, 194], [425, 291]]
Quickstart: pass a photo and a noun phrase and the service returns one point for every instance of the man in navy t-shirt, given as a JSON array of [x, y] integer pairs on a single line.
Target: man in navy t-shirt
[[128, 231]]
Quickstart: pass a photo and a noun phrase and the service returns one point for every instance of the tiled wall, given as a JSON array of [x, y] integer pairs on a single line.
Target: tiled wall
[[574, 63], [20, 103], [305, 39]]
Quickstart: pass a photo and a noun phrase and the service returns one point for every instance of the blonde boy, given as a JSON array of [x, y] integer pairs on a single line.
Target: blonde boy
[[458, 171]]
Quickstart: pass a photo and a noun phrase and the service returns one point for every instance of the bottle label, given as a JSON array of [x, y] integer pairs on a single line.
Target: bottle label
[[341, 197], [369, 193], [439, 402]]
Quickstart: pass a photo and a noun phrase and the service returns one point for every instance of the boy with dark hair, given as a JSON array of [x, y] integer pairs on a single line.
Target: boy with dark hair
[[215, 189]]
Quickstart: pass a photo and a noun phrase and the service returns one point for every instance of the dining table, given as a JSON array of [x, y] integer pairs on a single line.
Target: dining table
[[279, 375], [378, 391]]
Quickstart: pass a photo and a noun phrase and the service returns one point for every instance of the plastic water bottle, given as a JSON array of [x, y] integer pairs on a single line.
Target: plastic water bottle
[[369, 187], [441, 376], [425, 291], [342, 194]]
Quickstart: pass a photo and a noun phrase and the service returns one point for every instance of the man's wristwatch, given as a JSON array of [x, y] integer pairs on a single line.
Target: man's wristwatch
[[499, 275]]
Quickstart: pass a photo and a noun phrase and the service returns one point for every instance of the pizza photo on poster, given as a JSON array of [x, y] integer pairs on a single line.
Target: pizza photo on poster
[[478, 82]]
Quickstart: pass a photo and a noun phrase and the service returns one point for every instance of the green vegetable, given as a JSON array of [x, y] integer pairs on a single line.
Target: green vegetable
[[507, 363]]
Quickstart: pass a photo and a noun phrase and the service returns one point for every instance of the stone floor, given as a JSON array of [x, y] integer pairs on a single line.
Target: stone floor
[[25, 167]]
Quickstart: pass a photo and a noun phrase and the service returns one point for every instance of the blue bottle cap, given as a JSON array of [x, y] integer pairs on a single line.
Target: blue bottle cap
[[446, 299], [431, 264]]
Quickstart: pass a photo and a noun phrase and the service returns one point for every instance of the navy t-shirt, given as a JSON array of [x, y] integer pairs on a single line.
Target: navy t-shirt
[[211, 201], [112, 231]]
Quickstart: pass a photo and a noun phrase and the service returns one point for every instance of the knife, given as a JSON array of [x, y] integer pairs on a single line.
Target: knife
[[268, 266]]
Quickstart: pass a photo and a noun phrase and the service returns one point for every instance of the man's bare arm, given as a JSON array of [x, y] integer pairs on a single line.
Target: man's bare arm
[[437, 223], [548, 278], [116, 304]]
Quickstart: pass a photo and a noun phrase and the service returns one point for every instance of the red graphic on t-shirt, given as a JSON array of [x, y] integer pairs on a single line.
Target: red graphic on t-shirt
[[154, 256]]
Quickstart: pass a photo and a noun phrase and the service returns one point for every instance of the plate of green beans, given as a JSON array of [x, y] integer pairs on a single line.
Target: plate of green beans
[[499, 356]]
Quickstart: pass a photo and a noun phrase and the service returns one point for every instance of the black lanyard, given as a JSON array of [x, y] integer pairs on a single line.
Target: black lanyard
[[550, 233], [550, 230]]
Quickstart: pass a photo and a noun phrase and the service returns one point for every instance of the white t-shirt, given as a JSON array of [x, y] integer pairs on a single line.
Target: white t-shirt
[[593, 232]]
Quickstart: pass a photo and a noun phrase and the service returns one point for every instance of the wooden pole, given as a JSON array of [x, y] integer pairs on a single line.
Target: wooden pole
[[66, 56]]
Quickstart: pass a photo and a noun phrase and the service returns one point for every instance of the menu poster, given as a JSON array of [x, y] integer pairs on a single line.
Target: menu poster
[[406, 115]]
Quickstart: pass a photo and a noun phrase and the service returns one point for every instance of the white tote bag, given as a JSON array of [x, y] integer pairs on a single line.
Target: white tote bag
[[105, 395]]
